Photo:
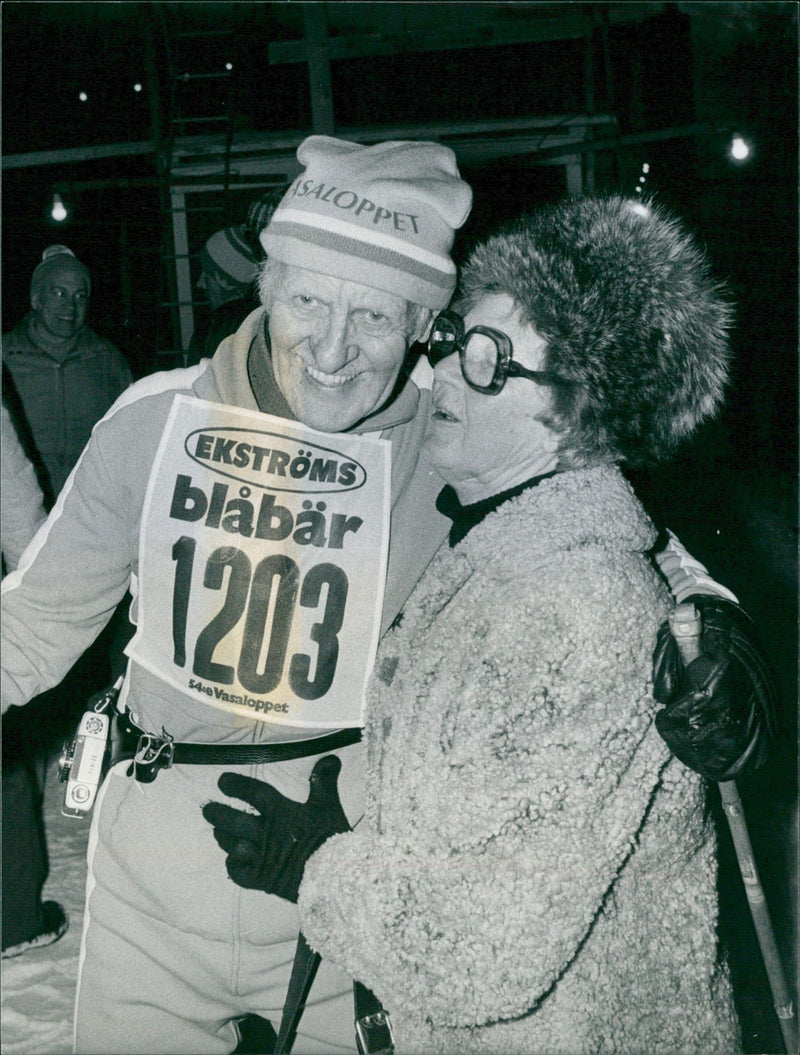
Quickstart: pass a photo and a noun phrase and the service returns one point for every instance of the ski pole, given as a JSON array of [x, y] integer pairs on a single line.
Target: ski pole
[[686, 626]]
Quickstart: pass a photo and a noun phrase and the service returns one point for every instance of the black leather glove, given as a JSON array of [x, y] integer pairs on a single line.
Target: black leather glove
[[269, 851], [719, 712]]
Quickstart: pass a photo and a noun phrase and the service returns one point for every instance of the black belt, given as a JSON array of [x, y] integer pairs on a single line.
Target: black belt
[[150, 752]]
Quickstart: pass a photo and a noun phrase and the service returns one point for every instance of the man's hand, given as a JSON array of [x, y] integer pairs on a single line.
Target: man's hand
[[269, 851], [719, 712]]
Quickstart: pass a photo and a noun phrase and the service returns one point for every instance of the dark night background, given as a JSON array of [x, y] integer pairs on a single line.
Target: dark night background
[[656, 68]]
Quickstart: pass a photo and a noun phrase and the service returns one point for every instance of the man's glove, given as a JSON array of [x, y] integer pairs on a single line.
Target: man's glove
[[269, 851], [719, 712]]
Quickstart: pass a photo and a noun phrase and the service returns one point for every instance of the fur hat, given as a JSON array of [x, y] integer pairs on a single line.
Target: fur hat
[[383, 215], [624, 298]]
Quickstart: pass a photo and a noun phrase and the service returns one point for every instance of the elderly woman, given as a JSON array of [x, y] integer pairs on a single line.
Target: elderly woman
[[535, 872]]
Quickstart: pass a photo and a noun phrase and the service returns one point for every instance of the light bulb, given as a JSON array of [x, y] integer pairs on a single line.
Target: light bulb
[[58, 210]]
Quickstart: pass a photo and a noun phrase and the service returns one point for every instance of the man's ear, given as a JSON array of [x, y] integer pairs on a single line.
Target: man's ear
[[424, 328], [35, 301]]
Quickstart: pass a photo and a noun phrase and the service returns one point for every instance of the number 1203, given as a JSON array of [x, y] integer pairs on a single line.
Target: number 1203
[[249, 593]]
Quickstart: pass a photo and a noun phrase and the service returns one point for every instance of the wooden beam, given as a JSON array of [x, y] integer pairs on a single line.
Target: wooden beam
[[319, 68], [269, 151], [695, 131], [546, 141], [65, 156], [452, 38]]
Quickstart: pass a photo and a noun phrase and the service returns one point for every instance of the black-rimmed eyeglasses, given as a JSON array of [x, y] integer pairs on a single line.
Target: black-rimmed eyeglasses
[[486, 355]]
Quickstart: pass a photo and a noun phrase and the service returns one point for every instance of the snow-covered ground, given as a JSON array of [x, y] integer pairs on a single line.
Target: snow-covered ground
[[38, 988]]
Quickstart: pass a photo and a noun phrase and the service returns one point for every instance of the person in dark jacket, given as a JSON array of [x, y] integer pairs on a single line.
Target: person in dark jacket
[[62, 378], [65, 374]]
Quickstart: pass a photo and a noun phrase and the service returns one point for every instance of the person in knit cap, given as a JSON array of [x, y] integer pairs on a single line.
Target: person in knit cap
[[64, 378], [66, 375], [198, 522], [229, 261], [229, 264]]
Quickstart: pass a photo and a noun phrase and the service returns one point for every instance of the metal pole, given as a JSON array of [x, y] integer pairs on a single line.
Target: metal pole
[[781, 998]]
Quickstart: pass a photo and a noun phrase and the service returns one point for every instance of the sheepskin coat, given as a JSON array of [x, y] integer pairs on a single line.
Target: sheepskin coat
[[534, 873]]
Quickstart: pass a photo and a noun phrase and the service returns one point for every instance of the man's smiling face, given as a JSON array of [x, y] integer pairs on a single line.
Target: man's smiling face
[[61, 299], [337, 346]]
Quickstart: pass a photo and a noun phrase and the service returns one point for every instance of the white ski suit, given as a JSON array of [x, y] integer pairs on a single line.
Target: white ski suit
[[173, 952]]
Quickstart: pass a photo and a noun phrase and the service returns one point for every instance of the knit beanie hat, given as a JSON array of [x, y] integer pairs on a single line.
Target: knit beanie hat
[[260, 211], [631, 315], [229, 257], [53, 258], [384, 216]]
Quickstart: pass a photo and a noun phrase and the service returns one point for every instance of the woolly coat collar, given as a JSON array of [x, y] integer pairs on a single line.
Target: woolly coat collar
[[564, 512]]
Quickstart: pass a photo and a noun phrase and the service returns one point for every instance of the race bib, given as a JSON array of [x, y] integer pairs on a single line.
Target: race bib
[[262, 564]]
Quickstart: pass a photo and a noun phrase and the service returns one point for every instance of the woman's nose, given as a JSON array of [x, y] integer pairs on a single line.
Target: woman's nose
[[449, 367], [331, 346]]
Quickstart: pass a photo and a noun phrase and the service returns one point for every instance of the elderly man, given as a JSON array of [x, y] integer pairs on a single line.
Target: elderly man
[[174, 952], [66, 376], [249, 511]]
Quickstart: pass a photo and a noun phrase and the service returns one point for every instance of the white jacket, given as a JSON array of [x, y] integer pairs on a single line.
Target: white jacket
[[86, 557]]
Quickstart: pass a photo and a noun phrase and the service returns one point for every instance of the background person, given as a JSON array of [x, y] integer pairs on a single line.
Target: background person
[[28, 922], [229, 265], [66, 376], [228, 256], [22, 509]]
